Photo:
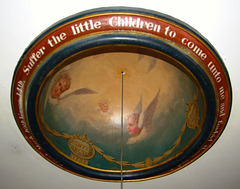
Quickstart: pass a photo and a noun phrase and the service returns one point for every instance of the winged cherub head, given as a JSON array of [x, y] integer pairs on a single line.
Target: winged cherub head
[[140, 124], [103, 104], [62, 84], [132, 126]]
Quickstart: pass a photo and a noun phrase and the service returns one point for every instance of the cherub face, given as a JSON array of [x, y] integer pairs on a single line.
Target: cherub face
[[61, 86], [104, 105], [132, 127]]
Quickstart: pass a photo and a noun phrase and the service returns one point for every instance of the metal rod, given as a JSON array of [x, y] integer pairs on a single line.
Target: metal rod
[[122, 132]]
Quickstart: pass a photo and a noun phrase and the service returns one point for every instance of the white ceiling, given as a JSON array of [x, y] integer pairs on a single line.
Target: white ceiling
[[21, 21]]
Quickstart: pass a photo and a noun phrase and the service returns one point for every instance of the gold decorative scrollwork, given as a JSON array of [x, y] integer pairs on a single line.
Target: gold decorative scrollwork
[[192, 114], [84, 150]]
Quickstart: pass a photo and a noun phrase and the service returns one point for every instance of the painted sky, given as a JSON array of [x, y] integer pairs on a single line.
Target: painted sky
[[144, 76]]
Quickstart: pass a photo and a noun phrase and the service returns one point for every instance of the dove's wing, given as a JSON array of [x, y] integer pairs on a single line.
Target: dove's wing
[[146, 120], [78, 92]]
